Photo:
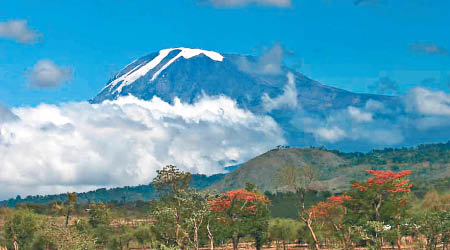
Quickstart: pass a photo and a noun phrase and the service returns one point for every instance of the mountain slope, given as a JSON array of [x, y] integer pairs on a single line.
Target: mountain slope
[[335, 170]]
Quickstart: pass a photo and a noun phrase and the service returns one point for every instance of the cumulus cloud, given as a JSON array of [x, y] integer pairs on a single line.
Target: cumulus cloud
[[428, 102], [359, 115], [82, 146], [268, 64], [19, 31], [332, 134], [421, 115], [6, 114], [428, 48], [46, 74], [384, 85], [286, 100], [372, 105], [243, 3]]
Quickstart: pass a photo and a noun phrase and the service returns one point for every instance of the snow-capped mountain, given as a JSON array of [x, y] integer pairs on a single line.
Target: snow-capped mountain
[[260, 87], [188, 73]]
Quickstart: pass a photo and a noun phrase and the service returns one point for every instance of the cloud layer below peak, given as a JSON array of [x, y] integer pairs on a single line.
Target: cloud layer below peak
[[81, 146]]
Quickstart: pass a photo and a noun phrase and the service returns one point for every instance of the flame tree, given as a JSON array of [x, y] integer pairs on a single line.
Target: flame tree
[[329, 215], [243, 212], [379, 204]]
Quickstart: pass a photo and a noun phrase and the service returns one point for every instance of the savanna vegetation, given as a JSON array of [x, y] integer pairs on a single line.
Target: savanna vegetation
[[380, 211]]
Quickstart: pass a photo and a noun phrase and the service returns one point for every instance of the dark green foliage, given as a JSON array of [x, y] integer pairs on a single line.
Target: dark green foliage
[[285, 205], [21, 228]]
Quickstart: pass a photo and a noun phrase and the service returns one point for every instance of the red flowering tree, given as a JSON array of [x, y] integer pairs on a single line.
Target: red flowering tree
[[242, 211], [380, 199], [329, 216], [384, 186]]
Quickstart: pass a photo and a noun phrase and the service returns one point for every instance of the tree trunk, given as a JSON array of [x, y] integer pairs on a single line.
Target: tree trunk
[[235, 240], [258, 244], [210, 236], [196, 237], [67, 217], [311, 230]]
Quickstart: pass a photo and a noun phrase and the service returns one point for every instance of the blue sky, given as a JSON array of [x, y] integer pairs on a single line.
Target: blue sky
[[337, 42]]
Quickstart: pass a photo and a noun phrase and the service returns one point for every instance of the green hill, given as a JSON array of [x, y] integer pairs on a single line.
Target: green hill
[[335, 170]]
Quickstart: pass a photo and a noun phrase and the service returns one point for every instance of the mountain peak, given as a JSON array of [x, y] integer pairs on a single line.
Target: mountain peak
[[157, 64]]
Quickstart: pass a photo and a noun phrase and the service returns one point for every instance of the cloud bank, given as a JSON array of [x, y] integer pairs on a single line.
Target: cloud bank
[[429, 102], [45, 74], [423, 116], [19, 31], [81, 146]]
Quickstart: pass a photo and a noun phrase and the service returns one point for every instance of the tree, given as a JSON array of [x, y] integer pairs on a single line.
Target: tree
[[98, 214], [200, 209], [143, 235], [432, 220], [53, 236], [171, 181], [300, 181], [67, 207], [284, 230], [330, 214], [378, 203], [434, 226], [172, 185], [21, 228], [241, 210]]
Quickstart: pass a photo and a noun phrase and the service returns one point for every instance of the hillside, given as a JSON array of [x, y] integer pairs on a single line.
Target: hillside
[[335, 170]]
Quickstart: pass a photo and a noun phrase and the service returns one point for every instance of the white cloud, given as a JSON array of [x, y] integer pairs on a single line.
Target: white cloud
[[269, 63], [82, 146], [339, 126], [286, 100], [6, 114], [359, 115], [45, 74], [332, 134], [373, 105], [19, 31], [428, 102], [242, 3]]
